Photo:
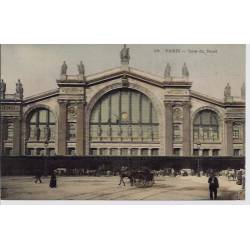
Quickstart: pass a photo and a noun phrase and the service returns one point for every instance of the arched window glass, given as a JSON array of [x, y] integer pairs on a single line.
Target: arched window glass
[[124, 115], [41, 125], [206, 126]]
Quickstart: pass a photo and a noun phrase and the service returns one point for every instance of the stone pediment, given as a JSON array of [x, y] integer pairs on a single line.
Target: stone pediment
[[124, 71], [215, 101], [41, 96]]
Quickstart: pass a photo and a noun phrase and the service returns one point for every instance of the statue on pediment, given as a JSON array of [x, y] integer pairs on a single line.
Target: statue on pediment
[[81, 69], [64, 68], [19, 89], [185, 72], [124, 54], [227, 91], [167, 72], [2, 89]]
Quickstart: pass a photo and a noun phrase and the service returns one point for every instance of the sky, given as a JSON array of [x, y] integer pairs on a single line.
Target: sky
[[211, 67]]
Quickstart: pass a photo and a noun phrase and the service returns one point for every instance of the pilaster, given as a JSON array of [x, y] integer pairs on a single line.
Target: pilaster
[[186, 129], [169, 127], [81, 134], [229, 137], [17, 137], [62, 122]]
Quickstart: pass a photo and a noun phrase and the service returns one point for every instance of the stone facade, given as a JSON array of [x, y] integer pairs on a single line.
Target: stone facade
[[71, 104]]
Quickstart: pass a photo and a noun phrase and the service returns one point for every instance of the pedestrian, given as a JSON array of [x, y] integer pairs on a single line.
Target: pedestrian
[[52, 183], [38, 176], [213, 186]]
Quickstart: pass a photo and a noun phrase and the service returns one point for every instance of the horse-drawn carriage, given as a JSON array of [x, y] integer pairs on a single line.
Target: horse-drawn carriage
[[138, 178]]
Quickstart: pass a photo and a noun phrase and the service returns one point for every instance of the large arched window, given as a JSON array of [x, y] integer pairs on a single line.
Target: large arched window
[[41, 125], [206, 126], [124, 116]]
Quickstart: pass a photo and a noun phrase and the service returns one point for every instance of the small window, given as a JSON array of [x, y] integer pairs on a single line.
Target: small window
[[124, 151], [236, 152], [144, 151], [51, 152], [71, 130], [114, 151], [71, 151], [215, 152], [154, 151], [93, 151], [196, 152], [40, 152], [103, 151], [177, 151], [10, 131], [205, 152], [134, 151]]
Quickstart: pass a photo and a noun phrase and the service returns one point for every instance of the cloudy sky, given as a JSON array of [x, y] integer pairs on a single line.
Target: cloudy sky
[[210, 66]]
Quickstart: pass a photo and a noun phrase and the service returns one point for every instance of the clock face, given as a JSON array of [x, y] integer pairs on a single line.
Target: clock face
[[124, 116]]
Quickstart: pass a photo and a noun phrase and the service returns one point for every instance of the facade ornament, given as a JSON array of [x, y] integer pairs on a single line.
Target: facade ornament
[[124, 55], [81, 68], [19, 89], [185, 72], [64, 68], [177, 114], [125, 82], [2, 89], [71, 113], [167, 72]]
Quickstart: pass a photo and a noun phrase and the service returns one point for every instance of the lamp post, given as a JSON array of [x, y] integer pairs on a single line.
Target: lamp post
[[46, 144], [198, 161]]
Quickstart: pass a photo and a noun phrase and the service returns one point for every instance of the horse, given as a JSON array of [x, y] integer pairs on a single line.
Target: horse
[[126, 173], [231, 174]]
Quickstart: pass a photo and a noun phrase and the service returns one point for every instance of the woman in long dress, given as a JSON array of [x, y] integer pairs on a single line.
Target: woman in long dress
[[52, 183]]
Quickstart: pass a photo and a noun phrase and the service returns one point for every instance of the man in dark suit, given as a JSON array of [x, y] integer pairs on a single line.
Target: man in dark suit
[[213, 186]]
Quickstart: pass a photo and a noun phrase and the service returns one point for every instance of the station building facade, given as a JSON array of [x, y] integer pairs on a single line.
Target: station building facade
[[122, 112]]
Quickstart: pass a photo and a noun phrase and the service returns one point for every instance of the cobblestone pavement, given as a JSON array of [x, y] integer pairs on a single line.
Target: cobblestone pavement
[[107, 188]]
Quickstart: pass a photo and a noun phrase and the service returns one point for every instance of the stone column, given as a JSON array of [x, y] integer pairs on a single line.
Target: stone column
[[229, 137], [186, 129], [62, 127], [80, 130], [169, 128], [17, 137]]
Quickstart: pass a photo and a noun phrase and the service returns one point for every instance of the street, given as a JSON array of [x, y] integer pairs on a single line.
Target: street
[[107, 188]]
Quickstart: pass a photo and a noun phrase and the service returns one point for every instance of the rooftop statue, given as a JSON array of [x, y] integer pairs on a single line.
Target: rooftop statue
[[64, 68], [185, 72], [167, 72], [81, 68], [227, 91], [124, 54], [19, 89], [2, 88]]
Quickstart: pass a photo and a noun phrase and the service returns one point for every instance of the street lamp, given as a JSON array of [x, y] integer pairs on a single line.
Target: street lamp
[[198, 162], [46, 144]]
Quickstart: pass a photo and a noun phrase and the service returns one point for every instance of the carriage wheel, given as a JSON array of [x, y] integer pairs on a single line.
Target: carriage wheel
[[150, 183], [140, 181]]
